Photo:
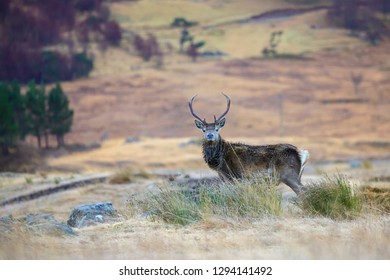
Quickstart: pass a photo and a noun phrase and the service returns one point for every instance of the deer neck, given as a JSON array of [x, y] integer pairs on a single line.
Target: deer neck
[[213, 153]]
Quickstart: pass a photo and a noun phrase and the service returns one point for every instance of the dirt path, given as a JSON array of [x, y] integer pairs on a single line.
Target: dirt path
[[68, 185]]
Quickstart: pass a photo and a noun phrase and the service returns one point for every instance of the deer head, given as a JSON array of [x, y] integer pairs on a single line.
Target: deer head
[[210, 130]]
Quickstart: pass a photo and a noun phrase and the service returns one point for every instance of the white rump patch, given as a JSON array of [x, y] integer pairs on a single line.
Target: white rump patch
[[304, 155]]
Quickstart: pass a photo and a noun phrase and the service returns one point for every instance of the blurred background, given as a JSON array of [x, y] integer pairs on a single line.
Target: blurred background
[[92, 85]]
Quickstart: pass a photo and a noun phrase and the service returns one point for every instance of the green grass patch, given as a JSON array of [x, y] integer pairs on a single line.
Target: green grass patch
[[332, 197], [248, 199]]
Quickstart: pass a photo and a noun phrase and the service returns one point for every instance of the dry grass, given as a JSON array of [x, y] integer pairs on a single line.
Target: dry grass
[[123, 176], [377, 199], [297, 238], [148, 13], [23, 158], [248, 199], [170, 153], [226, 229]]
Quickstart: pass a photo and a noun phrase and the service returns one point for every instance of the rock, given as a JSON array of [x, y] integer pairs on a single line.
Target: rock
[[47, 224], [355, 163], [129, 140], [92, 214]]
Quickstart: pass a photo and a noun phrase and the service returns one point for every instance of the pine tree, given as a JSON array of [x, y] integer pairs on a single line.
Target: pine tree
[[36, 111], [19, 106], [60, 115], [8, 125]]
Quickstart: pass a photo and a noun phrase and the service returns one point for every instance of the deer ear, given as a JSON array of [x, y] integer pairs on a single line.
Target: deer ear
[[222, 122], [198, 124]]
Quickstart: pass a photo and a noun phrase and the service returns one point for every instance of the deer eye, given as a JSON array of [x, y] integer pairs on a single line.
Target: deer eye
[[204, 129]]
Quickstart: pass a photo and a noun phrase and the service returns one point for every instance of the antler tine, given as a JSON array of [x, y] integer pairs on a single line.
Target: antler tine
[[192, 111], [227, 110]]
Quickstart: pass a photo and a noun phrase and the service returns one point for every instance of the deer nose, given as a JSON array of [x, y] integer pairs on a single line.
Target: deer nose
[[210, 136]]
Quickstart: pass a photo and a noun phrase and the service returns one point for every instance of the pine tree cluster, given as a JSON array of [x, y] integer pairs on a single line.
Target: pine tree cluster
[[33, 113]]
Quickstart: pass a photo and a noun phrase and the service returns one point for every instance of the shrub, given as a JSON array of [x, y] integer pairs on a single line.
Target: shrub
[[112, 33], [193, 49], [175, 207], [248, 198], [33, 34], [82, 65], [148, 47], [87, 5], [182, 22], [54, 67], [356, 16], [122, 177], [271, 49], [331, 197]]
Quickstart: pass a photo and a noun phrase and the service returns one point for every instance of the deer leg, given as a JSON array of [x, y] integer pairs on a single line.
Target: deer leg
[[294, 184]]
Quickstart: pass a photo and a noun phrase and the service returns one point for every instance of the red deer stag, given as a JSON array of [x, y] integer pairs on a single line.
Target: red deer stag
[[283, 162]]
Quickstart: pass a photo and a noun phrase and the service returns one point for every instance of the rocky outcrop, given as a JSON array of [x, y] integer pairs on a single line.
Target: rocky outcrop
[[92, 214]]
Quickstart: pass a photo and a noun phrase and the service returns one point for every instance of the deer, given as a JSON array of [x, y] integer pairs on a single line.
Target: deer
[[235, 161]]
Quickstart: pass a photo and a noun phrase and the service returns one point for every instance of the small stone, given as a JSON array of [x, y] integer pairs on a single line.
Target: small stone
[[132, 140], [355, 163]]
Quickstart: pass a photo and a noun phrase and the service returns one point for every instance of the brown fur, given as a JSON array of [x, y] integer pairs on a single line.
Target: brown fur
[[238, 161], [283, 162]]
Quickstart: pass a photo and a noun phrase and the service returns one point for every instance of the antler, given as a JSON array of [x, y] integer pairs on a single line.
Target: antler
[[227, 110], [192, 111]]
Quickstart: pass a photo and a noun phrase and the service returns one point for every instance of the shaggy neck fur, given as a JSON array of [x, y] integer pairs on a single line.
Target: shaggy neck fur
[[213, 153]]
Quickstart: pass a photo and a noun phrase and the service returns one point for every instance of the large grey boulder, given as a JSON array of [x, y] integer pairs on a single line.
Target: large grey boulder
[[47, 224], [92, 214]]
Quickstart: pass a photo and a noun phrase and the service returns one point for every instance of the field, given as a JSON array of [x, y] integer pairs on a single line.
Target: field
[[132, 116]]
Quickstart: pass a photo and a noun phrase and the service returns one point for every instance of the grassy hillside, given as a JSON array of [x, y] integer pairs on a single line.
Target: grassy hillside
[[125, 96], [132, 120]]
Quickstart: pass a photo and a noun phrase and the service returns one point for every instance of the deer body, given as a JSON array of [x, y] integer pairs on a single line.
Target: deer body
[[283, 162]]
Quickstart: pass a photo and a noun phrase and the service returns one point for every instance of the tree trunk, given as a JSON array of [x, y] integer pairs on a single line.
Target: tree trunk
[[39, 141], [58, 141], [46, 140], [62, 140]]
